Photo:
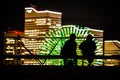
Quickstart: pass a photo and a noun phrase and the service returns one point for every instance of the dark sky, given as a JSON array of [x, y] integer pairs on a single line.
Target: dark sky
[[94, 14]]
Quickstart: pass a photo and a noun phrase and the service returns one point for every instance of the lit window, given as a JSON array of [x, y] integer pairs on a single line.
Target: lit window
[[29, 20]]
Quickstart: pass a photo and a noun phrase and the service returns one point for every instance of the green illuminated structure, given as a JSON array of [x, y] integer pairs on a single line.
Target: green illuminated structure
[[55, 39]]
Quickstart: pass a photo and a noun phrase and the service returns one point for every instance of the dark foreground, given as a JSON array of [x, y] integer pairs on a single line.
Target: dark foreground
[[16, 72]]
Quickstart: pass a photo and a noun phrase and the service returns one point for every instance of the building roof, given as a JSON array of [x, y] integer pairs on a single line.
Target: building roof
[[29, 10], [112, 47]]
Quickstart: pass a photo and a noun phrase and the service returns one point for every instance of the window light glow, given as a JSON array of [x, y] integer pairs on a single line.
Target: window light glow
[[29, 20]]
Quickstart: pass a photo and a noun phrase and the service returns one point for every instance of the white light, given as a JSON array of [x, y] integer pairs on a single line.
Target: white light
[[95, 30], [29, 10], [112, 41], [9, 59], [29, 20]]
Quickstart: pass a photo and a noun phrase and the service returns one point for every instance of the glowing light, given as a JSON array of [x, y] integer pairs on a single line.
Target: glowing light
[[95, 30], [29, 10], [17, 32], [54, 43], [112, 41]]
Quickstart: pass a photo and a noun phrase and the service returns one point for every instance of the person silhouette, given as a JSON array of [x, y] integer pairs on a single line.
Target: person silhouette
[[69, 50], [88, 48]]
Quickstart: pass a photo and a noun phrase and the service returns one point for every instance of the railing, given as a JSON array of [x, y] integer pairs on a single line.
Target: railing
[[57, 57], [37, 57]]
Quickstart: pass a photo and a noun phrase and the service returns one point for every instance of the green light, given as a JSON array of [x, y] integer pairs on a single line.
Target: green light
[[55, 40]]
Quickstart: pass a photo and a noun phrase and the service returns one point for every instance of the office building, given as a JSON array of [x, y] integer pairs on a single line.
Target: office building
[[12, 46], [44, 34], [37, 24]]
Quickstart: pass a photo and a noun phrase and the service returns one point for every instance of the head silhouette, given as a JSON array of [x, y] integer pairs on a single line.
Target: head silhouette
[[72, 36], [89, 37]]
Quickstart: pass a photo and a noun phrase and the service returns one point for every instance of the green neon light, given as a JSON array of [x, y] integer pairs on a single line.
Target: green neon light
[[53, 45]]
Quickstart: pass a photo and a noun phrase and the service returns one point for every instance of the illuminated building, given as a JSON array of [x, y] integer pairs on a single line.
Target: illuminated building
[[44, 35], [37, 24], [12, 47], [55, 39], [112, 48], [54, 43]]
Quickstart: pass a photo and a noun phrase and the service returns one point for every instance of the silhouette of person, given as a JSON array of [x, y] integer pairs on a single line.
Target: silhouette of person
[[69, 50], [88, 48]]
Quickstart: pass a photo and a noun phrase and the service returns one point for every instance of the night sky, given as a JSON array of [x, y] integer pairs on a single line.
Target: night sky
[[94, 14]]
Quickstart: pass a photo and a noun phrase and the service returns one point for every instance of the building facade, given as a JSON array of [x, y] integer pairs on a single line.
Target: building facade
[[44, 34], [37, 24], [12, 46]]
